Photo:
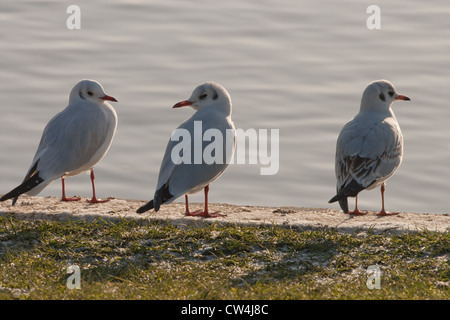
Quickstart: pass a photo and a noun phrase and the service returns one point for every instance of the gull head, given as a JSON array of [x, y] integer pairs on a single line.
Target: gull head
[[208, 95], [379, 95], [90, 90]]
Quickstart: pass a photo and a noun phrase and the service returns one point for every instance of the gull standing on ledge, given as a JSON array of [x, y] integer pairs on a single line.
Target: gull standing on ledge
[[213, 110], [72, 142], [370, 147]]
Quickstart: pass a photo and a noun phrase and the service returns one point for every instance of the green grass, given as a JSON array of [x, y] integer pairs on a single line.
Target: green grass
[[129, 259]]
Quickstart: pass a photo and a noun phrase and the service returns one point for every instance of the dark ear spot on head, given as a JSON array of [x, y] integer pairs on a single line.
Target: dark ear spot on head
[[81, 96], [215, 95], [382, 97]]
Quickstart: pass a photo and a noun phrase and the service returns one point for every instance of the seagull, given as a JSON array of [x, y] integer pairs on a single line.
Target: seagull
[[176, 178], [72, 142], [370, 146]]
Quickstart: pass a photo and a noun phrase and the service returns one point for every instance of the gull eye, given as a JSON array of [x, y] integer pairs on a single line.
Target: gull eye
[[203, 96], [90, 93], [391, 93]]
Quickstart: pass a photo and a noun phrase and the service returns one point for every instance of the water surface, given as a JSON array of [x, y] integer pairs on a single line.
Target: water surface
[[296, 66]]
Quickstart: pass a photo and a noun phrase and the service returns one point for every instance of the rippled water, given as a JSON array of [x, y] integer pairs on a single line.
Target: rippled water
[[296, 66]]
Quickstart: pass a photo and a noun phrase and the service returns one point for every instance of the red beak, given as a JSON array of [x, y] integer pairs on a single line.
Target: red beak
[[184, 103], [402, 97], [106, 97]]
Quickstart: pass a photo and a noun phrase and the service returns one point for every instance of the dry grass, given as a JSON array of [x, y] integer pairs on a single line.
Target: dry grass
[[129, 259]]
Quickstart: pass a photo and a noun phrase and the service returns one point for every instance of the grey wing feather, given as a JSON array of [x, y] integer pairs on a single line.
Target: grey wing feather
[[69, 141], [185, 178], [368, 155]]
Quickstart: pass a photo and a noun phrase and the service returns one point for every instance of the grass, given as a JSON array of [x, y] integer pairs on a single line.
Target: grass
[[129, 259]]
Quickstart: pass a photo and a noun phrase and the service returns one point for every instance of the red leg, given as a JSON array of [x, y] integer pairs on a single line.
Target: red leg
[[383, 212], [205, 213], [356, 212], [187, 213], [63, 197], [94, 198]]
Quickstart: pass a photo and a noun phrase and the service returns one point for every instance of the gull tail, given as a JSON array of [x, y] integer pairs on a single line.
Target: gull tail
[[26, 186], [351, 190], [162, 195]]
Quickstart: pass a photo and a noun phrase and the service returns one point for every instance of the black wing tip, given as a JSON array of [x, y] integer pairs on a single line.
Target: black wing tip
[[146, 207], [26, 186], [351, 190], [14, 201], [343, 203], [162, 195], [7, 197], [334, 199]]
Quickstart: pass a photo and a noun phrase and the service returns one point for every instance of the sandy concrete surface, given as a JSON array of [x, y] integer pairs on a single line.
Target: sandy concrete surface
[[52, 208]]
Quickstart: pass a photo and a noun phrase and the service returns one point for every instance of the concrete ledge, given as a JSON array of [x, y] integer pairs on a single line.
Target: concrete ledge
[[51, 208]]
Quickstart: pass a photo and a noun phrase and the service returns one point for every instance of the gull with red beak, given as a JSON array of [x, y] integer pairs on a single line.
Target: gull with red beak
[[370, 147], [177, 178], [73, 141]]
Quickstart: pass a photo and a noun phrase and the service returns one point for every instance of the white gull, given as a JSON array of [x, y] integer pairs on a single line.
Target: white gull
[[370, 147], [213, 111], [73, 141]]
